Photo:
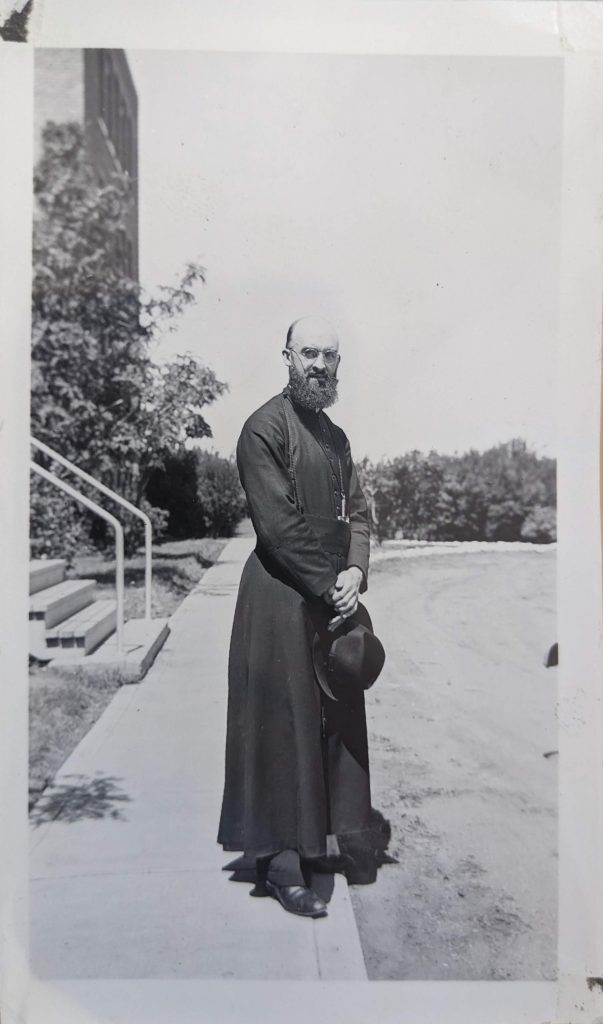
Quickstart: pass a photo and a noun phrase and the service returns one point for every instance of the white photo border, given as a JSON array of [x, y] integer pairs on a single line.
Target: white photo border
[[572, 32]]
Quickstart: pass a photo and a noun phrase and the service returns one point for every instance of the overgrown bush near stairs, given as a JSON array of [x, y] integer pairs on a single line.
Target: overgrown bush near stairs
[[59, 528]]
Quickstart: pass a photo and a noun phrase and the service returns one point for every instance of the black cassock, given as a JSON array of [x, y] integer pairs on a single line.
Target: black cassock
[[296, 762]]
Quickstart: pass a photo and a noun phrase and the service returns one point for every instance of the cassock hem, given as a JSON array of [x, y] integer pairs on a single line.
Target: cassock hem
[[306, 852]]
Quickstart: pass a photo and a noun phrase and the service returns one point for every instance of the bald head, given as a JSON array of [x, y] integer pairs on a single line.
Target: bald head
[[314, 332], [312, 355]]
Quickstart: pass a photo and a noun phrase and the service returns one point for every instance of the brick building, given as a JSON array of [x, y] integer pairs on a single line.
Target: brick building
[[94, 88]]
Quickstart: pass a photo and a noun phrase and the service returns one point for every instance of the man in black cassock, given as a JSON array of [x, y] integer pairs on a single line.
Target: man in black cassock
[[297, 765]]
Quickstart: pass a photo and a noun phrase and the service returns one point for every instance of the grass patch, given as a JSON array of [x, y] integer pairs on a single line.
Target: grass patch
[[62, 708], [177, 568], [63, 705]]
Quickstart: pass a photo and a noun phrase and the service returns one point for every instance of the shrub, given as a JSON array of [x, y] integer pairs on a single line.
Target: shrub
[[134, 527], [540, 526], [173, 488], [59, 527], [201, 493], [221, 498]]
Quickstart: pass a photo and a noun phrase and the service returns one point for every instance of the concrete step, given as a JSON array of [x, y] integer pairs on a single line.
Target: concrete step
[[53, 604], [83, 632], [142, 642], [45, 572]]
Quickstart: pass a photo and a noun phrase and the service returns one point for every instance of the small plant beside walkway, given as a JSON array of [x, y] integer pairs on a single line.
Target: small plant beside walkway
[[64, 705]]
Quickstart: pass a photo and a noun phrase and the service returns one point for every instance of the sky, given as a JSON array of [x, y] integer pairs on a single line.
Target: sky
[[413, 201]]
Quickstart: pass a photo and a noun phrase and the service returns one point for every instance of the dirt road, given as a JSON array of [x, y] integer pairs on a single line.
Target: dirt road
[[462, 730]]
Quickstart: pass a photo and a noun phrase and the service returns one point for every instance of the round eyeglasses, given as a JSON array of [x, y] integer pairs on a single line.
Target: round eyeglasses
[[310, 355]]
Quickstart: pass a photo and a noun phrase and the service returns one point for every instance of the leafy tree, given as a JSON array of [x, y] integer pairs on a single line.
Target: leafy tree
[[514, 487], [97, 395], [377, 484], [418, 484], [463, 503]]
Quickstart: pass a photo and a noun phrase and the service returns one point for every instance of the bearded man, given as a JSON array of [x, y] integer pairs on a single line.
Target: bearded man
[[297, 766]]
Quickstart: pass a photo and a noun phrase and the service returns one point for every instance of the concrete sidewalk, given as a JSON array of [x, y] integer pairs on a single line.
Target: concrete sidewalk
[[126, 877]]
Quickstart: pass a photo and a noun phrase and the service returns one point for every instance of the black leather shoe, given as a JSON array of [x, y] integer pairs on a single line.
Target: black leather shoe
[[298, 899]]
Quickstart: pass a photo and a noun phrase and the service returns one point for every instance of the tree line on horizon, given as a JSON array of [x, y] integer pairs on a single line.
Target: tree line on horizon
[[507, 493]]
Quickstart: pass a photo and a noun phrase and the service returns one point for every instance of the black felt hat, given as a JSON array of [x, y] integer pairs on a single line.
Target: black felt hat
[[350, 658]]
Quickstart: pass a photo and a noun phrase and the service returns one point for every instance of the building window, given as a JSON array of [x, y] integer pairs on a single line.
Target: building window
[[115, 114], [121, 128], [120, 251], [100, 76], [128, 146], [106, 93], [123, 254]]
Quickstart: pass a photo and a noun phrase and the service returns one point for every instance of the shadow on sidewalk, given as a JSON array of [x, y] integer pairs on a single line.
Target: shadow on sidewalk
[[85, 797]]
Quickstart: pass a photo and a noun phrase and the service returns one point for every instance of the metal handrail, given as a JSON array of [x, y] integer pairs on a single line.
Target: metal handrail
[[119, 541], [148, 529]]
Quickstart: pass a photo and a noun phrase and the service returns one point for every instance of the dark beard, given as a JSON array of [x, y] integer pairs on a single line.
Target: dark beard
[[312, 395]]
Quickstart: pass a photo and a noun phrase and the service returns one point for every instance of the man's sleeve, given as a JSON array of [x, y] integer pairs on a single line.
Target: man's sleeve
[[281, 528], [359, 550]]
